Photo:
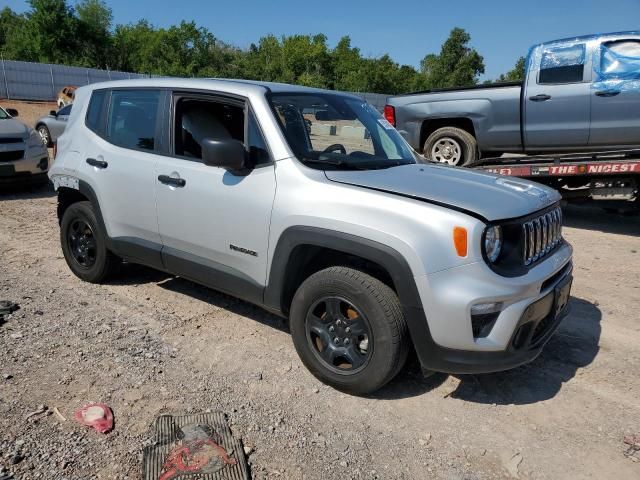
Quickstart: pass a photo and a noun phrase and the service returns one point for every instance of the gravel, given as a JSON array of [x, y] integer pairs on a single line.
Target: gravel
[[147, 343]]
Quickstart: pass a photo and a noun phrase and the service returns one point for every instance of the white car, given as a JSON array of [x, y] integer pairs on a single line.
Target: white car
[[23, 157], [336, 226]]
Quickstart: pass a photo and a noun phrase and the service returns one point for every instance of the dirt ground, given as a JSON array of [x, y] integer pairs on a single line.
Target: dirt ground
[[147, 343]]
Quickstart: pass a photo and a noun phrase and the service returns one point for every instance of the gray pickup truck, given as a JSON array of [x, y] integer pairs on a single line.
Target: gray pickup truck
[[579, 94]]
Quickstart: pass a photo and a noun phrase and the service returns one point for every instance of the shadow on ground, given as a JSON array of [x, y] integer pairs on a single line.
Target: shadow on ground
[[24, 192], [131, 274], [592, 218], [573, 346]]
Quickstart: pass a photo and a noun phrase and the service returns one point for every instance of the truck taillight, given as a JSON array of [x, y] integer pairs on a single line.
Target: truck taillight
[[390, 114]]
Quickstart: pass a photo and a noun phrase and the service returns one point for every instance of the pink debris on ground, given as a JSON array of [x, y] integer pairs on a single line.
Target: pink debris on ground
[[96, 415]]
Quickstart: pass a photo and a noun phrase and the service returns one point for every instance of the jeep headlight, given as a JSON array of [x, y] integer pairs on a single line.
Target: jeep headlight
[[493, 242]]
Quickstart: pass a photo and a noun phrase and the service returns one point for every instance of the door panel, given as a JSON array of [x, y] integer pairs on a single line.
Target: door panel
[[214, 224], [556, 101], [216, 218], [120, 161], [615, 96]]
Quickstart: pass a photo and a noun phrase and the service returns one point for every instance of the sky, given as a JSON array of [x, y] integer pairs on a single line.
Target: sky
[[500, 30]]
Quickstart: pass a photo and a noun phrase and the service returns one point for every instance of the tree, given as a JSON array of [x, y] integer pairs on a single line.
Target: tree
[[517, 73], [9, 23], [457, 65], [94, 33]]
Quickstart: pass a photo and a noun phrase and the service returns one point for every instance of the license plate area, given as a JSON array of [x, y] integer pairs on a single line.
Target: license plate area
[[562, 295]]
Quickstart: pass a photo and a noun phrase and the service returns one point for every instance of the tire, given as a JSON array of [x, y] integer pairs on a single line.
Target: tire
[[462, 145], [99, 261], [363, 300], [45, 134]]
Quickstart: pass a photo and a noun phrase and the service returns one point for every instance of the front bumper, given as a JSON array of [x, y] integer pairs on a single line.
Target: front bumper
[[530, 315], [31, 168]]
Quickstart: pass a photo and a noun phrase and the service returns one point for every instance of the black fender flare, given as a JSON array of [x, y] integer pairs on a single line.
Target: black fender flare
[[388, 258]]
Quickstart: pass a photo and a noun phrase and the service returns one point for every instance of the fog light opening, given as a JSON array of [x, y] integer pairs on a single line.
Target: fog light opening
[[483, 318]]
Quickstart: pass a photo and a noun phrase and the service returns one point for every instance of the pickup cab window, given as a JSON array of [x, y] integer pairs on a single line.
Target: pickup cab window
[[562, 64]]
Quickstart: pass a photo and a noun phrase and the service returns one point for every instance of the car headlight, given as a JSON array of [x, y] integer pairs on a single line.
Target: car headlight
[[493, 242]]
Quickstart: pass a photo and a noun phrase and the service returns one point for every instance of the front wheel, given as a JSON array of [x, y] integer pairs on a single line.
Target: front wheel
[[451, 145], [45, 135], [349, 330]]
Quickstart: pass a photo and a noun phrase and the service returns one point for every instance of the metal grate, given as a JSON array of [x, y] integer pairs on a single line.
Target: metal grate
[[541, 235], [170, 437]]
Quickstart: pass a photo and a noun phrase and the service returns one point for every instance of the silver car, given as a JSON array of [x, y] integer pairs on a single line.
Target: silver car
[[336, 226], [23, 157], [51, 126]]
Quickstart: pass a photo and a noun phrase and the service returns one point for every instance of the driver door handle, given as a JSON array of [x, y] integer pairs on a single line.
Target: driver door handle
[[172, 181], [97, 163], [540, 98]]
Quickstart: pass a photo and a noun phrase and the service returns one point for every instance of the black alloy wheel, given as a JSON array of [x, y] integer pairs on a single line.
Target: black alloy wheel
[[339, 335]]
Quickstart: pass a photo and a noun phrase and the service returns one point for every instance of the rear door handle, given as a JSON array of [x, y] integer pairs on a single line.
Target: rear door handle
[[607, 93], [540, 98], [174, 182], [97, 163]]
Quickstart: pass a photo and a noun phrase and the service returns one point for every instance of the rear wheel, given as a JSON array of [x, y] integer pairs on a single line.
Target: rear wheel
[[349, 330], [84, 245], [451, 145]]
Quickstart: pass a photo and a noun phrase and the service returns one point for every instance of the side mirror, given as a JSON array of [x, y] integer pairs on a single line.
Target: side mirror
[[229, 154], [53, 113], [13, 112]]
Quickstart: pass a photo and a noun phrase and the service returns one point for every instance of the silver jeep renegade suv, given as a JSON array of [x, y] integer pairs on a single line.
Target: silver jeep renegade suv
[[310, 204]]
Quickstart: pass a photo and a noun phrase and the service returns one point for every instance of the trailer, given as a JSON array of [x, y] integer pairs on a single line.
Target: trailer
[[611, 178]]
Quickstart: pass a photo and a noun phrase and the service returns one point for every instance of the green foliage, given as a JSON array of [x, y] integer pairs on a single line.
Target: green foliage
[[457, 65], [516, 74], [54, 32]]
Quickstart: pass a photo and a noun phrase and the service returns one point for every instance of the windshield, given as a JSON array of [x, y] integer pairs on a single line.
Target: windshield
[[336, 131], [3, 115]]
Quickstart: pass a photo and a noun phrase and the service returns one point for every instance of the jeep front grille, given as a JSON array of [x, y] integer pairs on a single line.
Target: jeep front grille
[[541, 235]]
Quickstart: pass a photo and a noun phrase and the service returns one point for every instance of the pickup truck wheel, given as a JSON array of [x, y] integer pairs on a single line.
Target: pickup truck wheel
[[451, 145], [349, 330], [83, 244]]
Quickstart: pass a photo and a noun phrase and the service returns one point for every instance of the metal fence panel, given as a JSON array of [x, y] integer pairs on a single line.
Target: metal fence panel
[[43, 81], [27, 81]]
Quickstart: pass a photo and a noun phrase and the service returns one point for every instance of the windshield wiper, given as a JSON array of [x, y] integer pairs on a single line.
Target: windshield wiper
[[332, 162]]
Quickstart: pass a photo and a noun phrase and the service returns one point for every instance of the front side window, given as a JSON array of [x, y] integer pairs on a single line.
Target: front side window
[[132, 118], [562, 64], [336, 131], [3, 115], [198, 119]]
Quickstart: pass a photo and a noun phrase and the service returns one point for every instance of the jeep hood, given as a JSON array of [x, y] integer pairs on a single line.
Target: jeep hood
[[489, 196], [13, 128]]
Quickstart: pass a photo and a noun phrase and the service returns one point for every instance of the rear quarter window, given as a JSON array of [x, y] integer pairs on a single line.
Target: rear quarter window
[[95, 112]]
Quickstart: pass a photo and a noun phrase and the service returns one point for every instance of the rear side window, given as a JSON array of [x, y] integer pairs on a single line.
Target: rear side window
[[95, 111], [563, 64], [132, 118]]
